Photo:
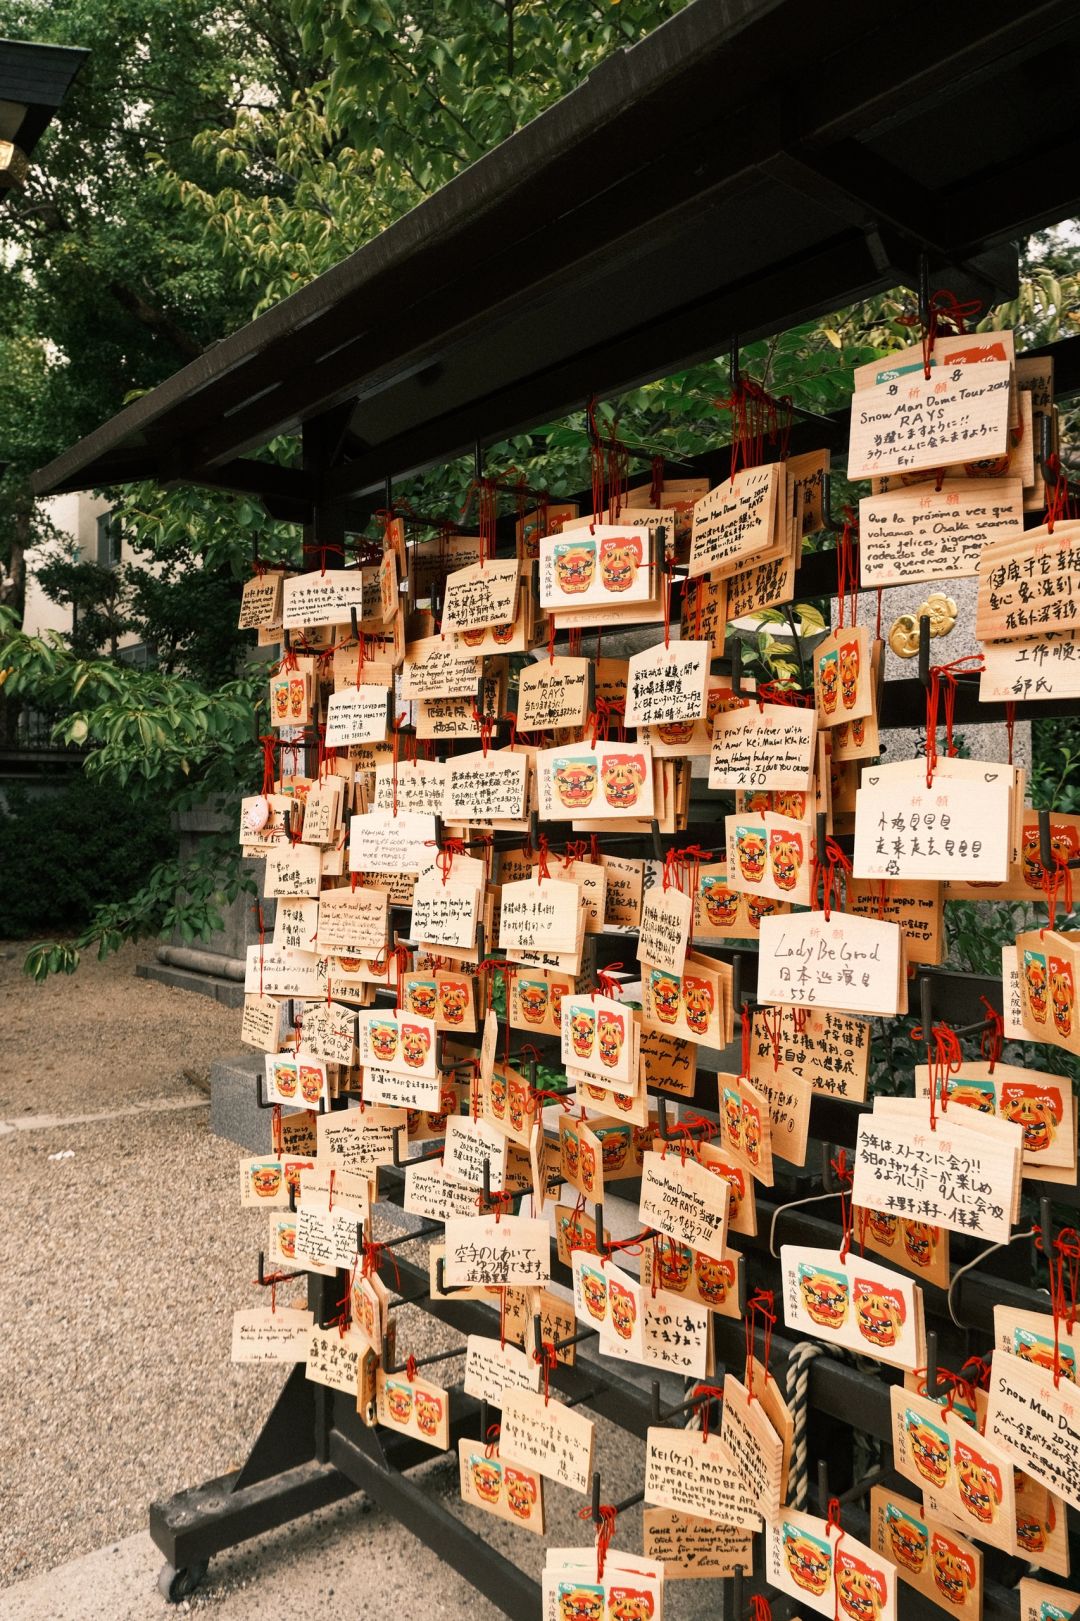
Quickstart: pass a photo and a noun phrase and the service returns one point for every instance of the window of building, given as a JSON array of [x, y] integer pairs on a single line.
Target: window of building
[[108, 540]]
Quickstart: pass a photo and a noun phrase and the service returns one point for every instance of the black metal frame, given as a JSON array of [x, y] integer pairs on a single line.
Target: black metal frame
[[315, 1449]]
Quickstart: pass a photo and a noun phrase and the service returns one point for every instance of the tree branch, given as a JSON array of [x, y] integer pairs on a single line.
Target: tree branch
[[155, 319]]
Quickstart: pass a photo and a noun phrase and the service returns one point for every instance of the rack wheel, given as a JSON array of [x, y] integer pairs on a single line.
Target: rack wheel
[[175, 1585]]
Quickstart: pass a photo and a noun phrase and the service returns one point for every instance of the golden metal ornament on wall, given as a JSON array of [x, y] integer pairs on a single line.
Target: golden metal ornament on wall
[[904, 636], [942, 613], [904, 631]]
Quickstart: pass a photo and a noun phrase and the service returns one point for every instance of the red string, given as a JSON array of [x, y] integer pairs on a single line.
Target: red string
[[760, 1608], [1067, 1245], [847, 571], [604, 710], [703, 1397], [270, 1278], [1058, 503], [755, 416], [491, 1440], [486, 489], [609, 463], [835, 862], [1066, 1248], [746, 1026], [959, 1386], [444, 860], [539, 1096], [485, 725], [257, 909], [945, 675], [373, 1258], [993, 1036], [843, 1175], [688, 1131], [949, 311], [944, 1057], [606, 983], [772, 692], [656, 486], [269, 744], [604, 1531], [979, 1376], [1059, 878], [944, 311], [548, 1358], [410, 1370], [1010, 726], [762, 1302]]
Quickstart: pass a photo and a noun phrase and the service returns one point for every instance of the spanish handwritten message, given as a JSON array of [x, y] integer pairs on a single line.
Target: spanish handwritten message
[[909, 536]]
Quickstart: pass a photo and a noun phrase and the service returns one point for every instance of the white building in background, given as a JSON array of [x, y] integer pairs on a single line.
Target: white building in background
[[87, 520]]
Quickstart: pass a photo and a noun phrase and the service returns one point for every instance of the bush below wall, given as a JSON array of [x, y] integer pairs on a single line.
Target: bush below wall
[[64, 853]]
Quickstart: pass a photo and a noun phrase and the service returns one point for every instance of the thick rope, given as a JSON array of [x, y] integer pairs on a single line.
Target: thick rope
[[797, 1385]]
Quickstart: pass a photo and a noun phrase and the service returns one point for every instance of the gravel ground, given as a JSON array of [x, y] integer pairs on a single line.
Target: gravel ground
[[121, 1262], [102, 1039]]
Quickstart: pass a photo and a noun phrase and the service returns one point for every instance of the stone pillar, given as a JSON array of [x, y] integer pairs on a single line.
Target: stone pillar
[[214, 967]]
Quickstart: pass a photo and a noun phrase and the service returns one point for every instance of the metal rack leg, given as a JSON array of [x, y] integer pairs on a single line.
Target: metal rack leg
[[508, 1588], [282, 1479], [204, 1520], [288, 1436]]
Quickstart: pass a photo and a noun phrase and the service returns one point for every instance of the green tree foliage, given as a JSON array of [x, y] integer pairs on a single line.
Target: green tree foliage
[[109, 286]]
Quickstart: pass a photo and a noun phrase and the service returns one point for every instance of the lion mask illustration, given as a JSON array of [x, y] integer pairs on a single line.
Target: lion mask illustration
[[575, 565], [849, 674], [620, 559], [622, 776]]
